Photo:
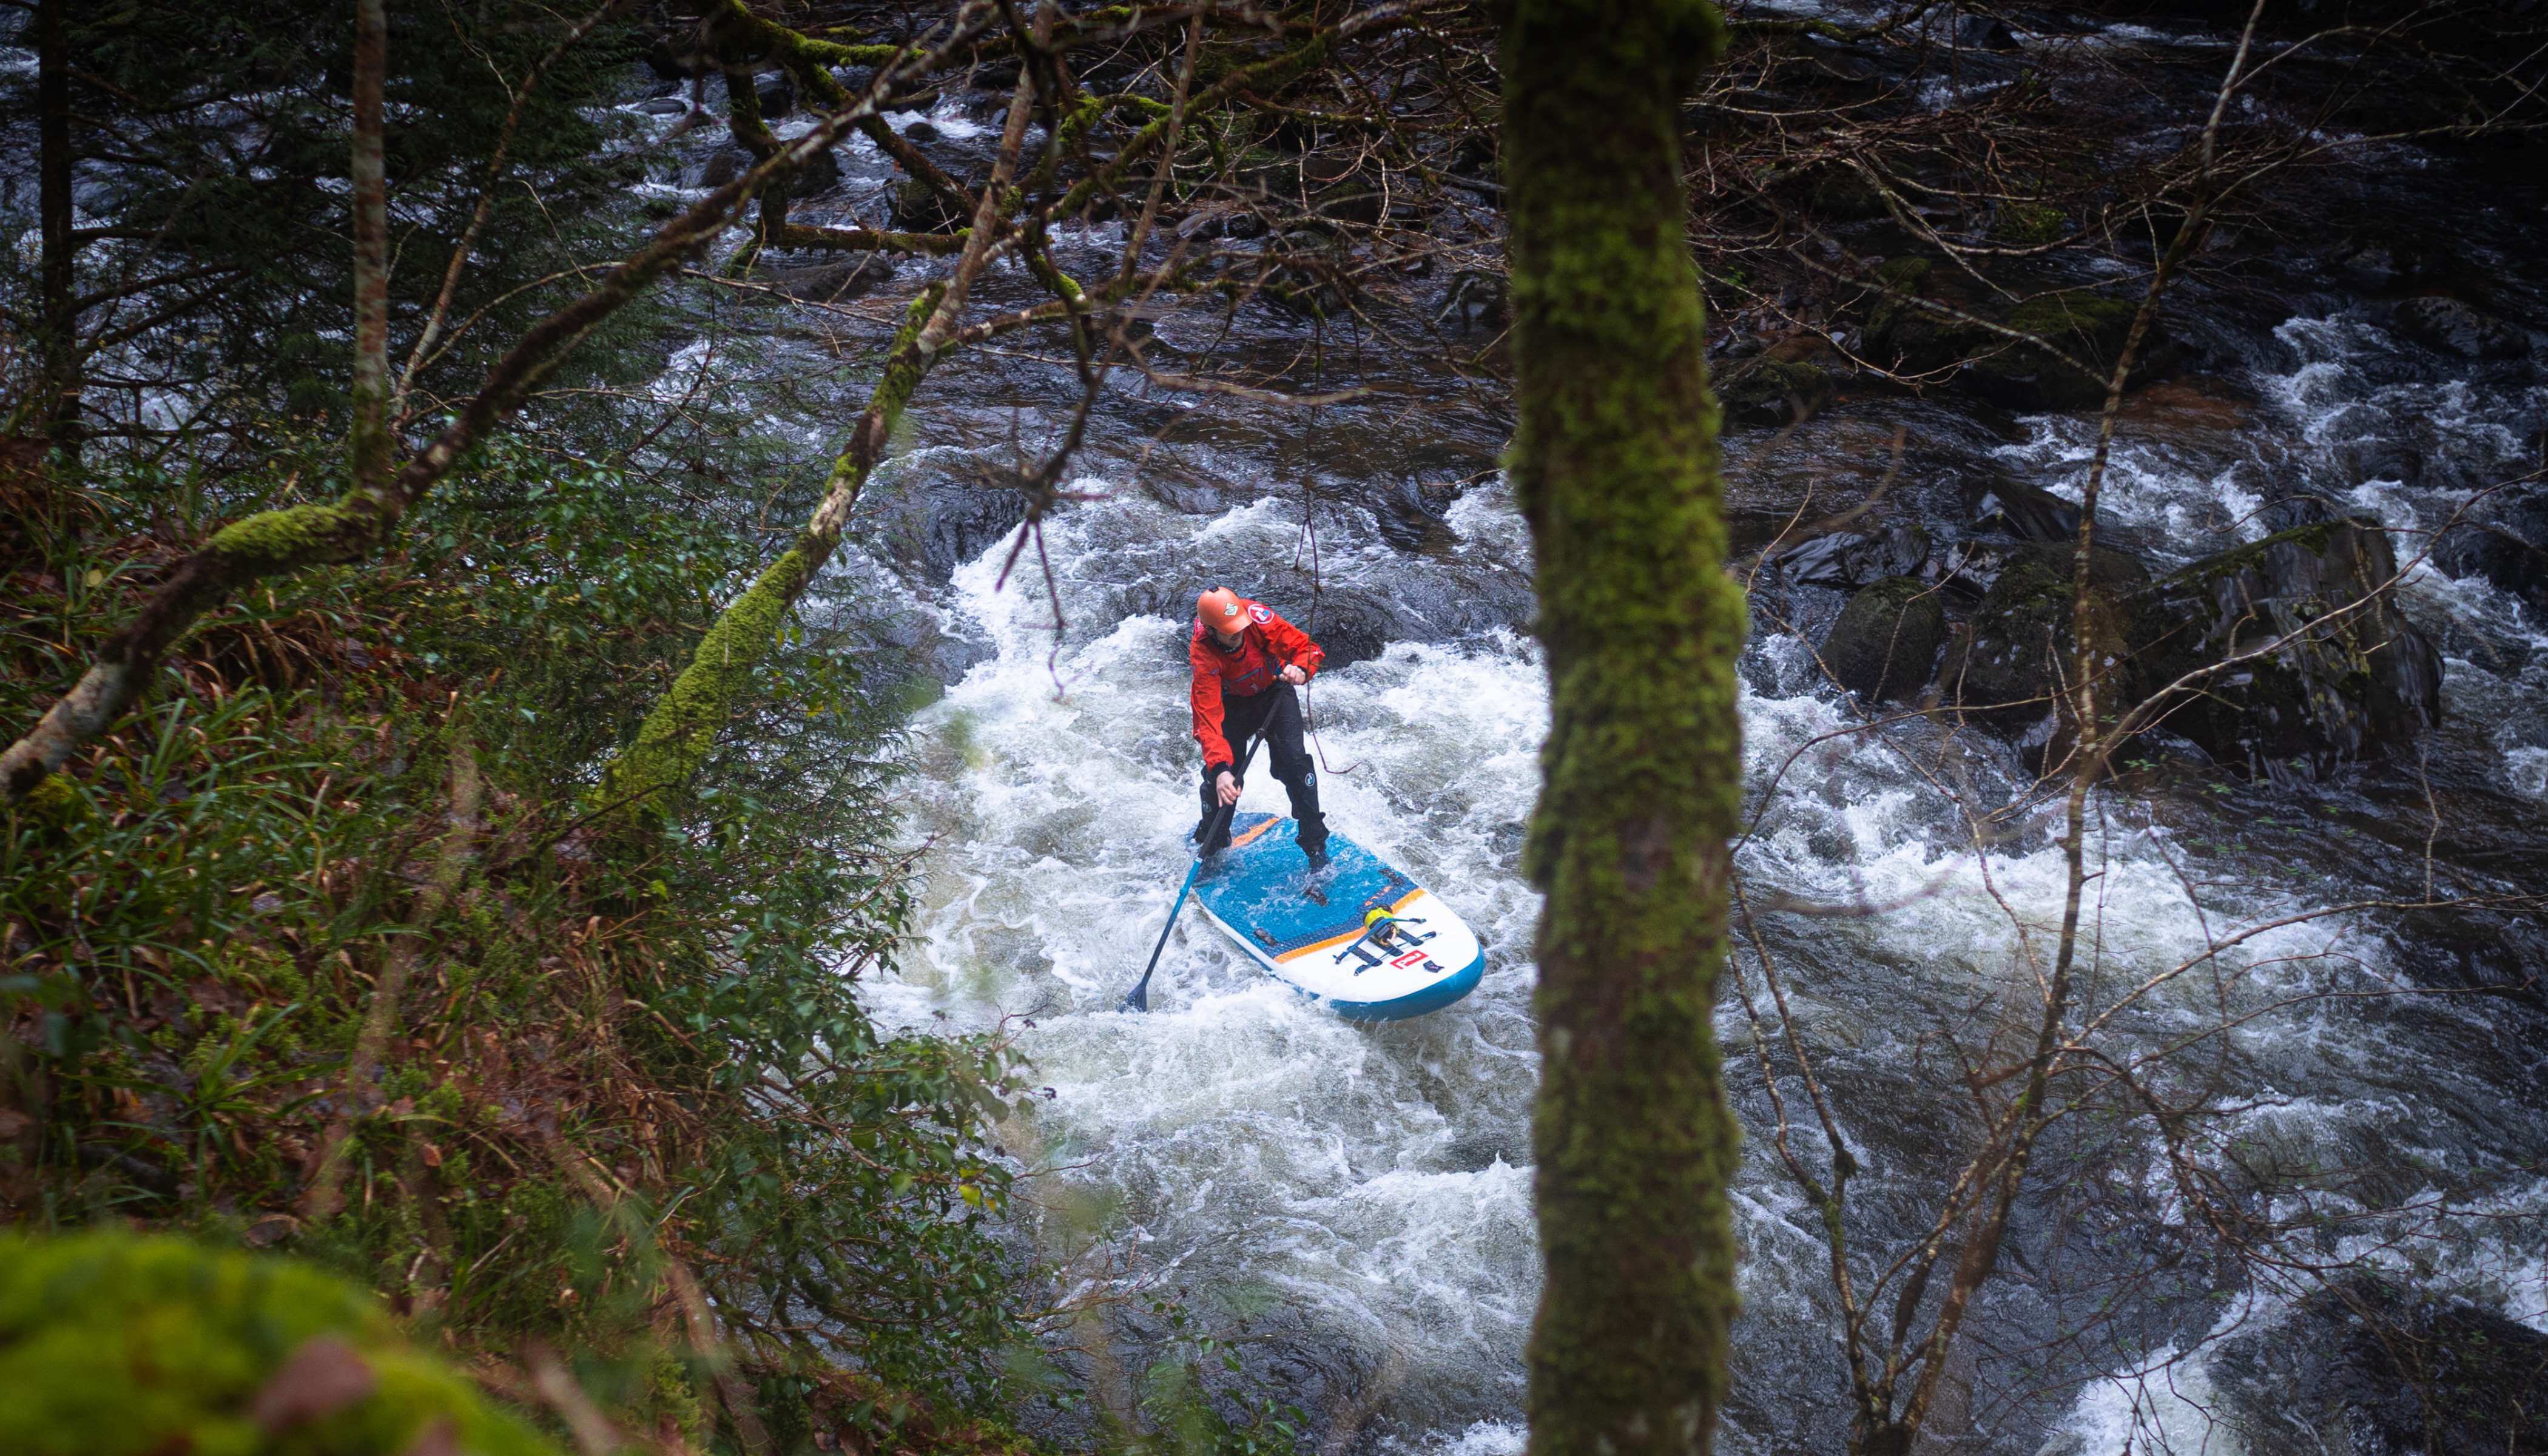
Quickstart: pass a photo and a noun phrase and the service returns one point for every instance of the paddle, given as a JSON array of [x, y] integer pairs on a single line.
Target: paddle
[[1139, 999]]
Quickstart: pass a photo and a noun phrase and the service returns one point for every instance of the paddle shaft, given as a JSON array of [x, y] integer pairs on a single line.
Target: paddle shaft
[[1139, 999]]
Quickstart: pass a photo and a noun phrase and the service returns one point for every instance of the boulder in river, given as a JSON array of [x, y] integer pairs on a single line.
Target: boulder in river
[[930, 529], [2014, 507], [1788, 382], [837, 281], [1855, 557], [918, 208], [820, 174], [1886, 639], [2083, 326], [2504, 540], [777, 94], [2086, 327], [2347, 678], [2017, 651], [2368, 1368], [2455, 327]]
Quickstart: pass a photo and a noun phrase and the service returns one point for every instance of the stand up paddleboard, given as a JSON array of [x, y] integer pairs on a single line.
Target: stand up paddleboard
[[1359, 935]]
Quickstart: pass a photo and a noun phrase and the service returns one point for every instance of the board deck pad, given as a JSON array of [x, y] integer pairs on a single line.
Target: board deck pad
[[1308, 927]]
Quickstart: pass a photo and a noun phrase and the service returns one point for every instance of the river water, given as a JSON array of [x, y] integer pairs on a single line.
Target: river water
[[1352, 1204]]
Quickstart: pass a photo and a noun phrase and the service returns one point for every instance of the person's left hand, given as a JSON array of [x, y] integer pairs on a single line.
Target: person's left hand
[[1295, 675]]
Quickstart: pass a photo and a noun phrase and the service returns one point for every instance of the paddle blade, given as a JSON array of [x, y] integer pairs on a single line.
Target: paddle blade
[[1139, 1000]]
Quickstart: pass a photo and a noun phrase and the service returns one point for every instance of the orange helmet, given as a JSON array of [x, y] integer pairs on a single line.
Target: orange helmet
[[1223, 610]]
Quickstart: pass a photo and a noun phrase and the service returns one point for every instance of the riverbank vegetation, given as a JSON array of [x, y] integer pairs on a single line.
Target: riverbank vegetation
[[454, 745]]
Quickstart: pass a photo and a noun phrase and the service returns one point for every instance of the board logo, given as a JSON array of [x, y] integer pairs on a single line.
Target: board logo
[[1402, 951]]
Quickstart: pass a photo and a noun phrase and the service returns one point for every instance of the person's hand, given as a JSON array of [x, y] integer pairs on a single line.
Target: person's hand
[[1227, 787], [1295, 675]]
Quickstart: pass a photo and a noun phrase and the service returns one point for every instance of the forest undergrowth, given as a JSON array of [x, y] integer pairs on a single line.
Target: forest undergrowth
[[326, 952]]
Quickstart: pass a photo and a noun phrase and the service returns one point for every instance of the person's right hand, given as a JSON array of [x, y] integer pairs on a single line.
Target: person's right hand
[[1227, 787]]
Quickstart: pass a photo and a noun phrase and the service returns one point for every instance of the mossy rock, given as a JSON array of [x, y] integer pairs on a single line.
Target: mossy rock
[[2084, 326], [2368, 1365], [1886, 639], [1767, 390], [112, 1344], [1901, 334], [918, 208], [2019, 647], [2087, 328], [2346, 683]]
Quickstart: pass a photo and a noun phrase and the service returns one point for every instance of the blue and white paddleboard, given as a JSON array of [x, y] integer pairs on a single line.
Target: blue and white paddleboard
[[1359, 934]]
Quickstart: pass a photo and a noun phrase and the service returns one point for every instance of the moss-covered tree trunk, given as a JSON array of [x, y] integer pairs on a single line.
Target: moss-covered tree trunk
[[1614, 460], [59, 337], [368, 444]]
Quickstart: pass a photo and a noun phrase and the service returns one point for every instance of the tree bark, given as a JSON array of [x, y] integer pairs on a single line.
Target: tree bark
[[369, 443], [1614, 460], [61, 341]]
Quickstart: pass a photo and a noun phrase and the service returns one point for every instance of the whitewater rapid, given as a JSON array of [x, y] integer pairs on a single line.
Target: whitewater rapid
[[1352, 1200]]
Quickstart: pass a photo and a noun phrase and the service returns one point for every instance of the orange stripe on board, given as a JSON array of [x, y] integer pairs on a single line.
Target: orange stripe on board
[[1251, 836]]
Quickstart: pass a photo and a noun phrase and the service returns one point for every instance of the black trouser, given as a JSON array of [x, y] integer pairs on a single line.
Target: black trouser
[[1278, 711]]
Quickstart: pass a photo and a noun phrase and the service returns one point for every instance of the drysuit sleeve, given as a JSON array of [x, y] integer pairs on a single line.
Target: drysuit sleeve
[[1206, 692], [1292, 645]]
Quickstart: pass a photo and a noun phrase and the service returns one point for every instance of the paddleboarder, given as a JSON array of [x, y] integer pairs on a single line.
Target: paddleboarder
[[1245, 661]]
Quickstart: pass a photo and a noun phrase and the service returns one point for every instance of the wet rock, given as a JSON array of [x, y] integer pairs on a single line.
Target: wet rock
[[1985, 33], [1886, 639], [820, 174], [1223, 220], [2088, 328], [1479, 302], [2084, 326], [2455, 327], [2370, 266], [2016, 508], [2018, 649], [930, 529], [1351, 624], [1843, 193], [1855, 558], [2505, 539], [2371, 1369], [2295, 510], [1901, 334], [1789, 381], [919, 131], [664, 105], [776, 95], [1308, 271], [1408, 518], [722, 166], [918, 208], [835, 282], [2343, 686], [671, 63]]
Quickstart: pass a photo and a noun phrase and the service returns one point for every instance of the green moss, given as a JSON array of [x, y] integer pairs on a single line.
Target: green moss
[[52, 804], [679, 734], [2032, 222], [682, 729], [1614, 460], [2076, 319], [112, 1344], [297, 536]]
